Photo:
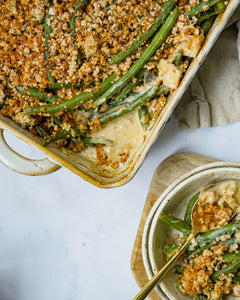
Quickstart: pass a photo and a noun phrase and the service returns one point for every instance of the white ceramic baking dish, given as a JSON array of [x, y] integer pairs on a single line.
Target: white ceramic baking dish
[[84, 165], [174, 201]]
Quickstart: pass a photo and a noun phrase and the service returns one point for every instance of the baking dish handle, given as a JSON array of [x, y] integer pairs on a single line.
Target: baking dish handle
[[21, 164]]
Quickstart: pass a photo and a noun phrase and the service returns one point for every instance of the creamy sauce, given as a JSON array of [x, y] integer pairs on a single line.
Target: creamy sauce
[[125, 132]]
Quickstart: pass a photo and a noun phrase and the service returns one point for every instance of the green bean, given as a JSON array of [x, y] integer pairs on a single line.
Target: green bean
[[71, 103], [156, 42], [79, 57], [236, 279], [144, 116], [88, 140], [215, 233], [50, 77], [145, 35], [47, 37], [178, 270], [231, 257], [207, 24], [57, 121], [229, 269], [59, 135], [202, 6], [76, 135], [179, 287], [77, 131], [125, 91], [188, 59], [113, 103], [59, 85], [72, 23], [9, 86], [131, 106], [188, 213], [216, 10], [207, 19], [38, 94], [220, 6], [64, 134], [178, 57], [47, 32], [129, 87], [169, 250], [41, 132], [200, 250], [42, 21], [79, 5], [175, 223], [207, 16], [76, 139]]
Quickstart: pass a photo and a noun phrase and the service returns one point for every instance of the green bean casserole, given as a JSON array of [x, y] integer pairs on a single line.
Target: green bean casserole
[[96, 74], [210, 268]]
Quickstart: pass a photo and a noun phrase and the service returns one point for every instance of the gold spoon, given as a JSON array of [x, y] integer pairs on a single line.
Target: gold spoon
[[196, 228]]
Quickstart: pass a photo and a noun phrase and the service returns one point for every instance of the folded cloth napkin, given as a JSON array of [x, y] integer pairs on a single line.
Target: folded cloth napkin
[[213, 97]]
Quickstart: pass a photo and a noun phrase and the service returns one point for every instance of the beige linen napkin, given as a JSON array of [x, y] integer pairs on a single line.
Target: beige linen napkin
[[213, 97]]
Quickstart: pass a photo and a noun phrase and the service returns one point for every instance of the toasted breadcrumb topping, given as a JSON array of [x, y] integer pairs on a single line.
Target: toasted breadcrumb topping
[[82, 55]]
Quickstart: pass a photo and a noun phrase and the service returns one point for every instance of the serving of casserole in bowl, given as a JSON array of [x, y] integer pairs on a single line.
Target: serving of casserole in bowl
[[208, 269], [92, 83]]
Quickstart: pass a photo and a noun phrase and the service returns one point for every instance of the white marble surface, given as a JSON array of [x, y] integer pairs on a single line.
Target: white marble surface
[[64, 239]]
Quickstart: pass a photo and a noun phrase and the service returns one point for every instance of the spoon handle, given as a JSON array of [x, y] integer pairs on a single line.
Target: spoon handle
[[162, 272]]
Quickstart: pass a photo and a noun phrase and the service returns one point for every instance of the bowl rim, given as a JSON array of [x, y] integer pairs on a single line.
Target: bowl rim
[[162, 200]]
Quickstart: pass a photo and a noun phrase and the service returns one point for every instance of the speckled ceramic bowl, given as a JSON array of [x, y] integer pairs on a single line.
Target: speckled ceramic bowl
[[174, 201]]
